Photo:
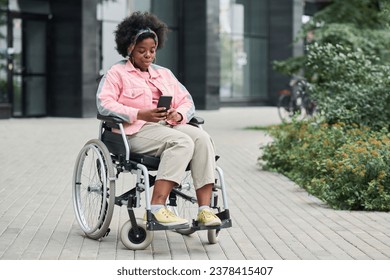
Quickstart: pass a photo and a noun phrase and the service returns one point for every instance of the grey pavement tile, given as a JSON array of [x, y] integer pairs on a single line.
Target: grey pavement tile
[[146, 254], [244, 242], [177, 246], [72, 244], [160, 247], [230, 248], [194, 246], [89, 249]]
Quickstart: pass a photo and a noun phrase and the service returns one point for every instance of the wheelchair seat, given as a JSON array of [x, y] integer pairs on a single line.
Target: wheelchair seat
[[114, 143]]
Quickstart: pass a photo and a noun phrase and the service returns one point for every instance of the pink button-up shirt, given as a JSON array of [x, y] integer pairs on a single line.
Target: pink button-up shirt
[[123, 91]]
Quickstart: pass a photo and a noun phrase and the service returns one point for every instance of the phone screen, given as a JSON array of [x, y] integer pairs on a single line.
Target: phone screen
[[164, 101]]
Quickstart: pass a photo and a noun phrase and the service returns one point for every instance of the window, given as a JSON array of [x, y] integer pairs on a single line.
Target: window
[[243, 33]]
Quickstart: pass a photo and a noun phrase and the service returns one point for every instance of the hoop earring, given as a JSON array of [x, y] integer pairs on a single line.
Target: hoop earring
[[154, 60], [131, 59]]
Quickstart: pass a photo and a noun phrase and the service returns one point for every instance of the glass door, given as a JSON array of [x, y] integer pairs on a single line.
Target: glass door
[[28, 70]]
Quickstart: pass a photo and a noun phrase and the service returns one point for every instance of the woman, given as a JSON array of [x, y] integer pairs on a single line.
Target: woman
[[131, 89]]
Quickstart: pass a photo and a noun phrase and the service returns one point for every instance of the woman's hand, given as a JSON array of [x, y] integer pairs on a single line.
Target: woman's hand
[[153, 115], [159, 114], [174, 116]]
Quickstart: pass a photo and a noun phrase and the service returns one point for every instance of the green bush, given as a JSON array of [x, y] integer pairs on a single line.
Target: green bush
[[349, 86], [346, 166]]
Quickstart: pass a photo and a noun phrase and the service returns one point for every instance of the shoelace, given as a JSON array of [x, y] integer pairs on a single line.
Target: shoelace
[[208, 214], [168, 213]]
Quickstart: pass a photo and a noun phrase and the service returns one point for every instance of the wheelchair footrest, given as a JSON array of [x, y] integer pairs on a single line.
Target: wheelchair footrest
[[224, 215], [154, 225], [226, 223]]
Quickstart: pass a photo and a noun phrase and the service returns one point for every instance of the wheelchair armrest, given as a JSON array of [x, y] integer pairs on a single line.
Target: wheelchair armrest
[[111, 119], [196, 121]]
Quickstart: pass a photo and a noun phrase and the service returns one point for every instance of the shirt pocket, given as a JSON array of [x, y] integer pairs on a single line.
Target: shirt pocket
[[134, 97]]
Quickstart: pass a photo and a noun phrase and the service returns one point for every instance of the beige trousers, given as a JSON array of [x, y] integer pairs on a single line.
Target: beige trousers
[[177, 146]]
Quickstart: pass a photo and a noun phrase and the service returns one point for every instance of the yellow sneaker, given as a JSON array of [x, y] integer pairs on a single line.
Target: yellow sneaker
[[208, 218], [167, 218]]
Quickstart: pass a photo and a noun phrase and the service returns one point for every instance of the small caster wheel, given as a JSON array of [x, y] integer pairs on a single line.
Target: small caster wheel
[[185, 231], [133, 241], [212, 235]]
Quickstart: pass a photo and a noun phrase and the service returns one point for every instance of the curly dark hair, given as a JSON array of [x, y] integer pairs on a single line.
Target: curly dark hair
[[129, 27]]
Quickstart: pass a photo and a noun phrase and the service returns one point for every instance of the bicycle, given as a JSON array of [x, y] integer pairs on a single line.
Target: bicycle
[[295, 102]]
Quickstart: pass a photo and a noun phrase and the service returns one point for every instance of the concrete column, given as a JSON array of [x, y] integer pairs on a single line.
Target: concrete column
[[73, 60], [65, 51], [202, 52], [281, 32], [89, 63]]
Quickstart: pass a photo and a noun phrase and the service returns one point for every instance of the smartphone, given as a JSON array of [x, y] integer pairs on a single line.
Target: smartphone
[[164, 101]]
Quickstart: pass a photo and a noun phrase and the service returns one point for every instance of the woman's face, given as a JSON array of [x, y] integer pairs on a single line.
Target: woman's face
[[144, 53]]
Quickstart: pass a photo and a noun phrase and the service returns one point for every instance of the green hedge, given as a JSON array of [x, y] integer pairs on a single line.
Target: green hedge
[[346, 166]]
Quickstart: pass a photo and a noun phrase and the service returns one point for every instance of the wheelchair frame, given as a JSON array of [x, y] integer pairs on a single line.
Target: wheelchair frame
[[110, 156]]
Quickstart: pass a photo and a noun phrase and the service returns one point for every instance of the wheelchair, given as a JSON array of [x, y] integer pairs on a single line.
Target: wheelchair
[[98, 166]]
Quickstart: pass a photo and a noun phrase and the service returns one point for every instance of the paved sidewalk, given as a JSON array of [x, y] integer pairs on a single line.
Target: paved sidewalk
[[272, 217]]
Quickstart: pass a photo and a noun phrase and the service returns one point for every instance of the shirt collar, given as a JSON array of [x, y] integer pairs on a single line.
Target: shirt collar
[[130, 67]]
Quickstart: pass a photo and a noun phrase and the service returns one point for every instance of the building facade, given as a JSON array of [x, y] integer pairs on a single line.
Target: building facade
[[53, 51]]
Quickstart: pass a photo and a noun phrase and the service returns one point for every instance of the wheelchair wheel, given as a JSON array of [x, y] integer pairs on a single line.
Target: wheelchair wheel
[[93, 191], [133, 240], [187, 207], [212, 235]]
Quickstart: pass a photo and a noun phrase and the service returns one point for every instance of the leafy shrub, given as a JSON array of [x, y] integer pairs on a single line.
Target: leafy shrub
[[346, 166], [350, 86]]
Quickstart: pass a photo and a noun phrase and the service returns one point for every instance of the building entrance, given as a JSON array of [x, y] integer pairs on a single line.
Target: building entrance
[[28, 64]]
